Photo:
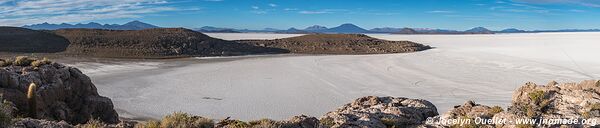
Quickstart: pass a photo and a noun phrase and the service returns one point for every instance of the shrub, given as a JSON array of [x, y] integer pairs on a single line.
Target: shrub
[[586, 115], [93, 123], [264, 123], [22, 61], [153, 124], [149, 124], [537, 96], [595, 106], [495, 110], [389, 122], [5, 119], [4, 63], [184, 120], [236, 124], [38, 63], [6, 113], [327, 122]]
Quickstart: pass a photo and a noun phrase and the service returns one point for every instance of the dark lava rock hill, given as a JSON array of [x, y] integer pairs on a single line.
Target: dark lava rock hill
[[148, 43], [339, 44], [22, 40]]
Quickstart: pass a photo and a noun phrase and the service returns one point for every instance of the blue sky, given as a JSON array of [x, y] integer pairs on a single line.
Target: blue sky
[[283, 14]]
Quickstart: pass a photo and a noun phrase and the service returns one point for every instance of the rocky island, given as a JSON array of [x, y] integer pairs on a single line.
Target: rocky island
[[180, 42], [153, 43], [339, 44]]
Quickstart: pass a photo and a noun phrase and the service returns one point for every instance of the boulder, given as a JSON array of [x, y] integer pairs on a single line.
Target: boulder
[[558, 101], [36, 123], [553, 101], [303, 121], [372, 111], [63, 93]]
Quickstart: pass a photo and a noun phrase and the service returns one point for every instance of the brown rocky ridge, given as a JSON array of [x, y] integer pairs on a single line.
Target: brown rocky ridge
[[149, 43], [339, 44]]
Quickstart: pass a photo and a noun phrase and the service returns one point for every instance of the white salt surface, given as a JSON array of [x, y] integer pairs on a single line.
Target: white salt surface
[[483, 68]]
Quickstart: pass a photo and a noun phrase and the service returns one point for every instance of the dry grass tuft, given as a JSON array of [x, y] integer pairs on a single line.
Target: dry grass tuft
[[22, 61], [93, 123], [184, 120], [38, 63]]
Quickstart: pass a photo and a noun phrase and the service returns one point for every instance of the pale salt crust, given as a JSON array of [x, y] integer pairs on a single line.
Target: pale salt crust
[[483, 68]]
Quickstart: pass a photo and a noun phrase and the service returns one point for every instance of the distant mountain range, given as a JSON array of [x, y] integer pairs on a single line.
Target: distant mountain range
[[349, 28], [344, 29], [133, 25]]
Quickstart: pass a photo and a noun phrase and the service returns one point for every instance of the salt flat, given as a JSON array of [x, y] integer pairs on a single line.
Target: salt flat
[[483, 68]]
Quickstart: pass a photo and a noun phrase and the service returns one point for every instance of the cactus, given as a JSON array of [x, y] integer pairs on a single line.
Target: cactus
[[31, 100]]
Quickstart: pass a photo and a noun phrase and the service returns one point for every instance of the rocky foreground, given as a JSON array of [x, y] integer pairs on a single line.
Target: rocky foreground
[[38, 93], [339, 44]]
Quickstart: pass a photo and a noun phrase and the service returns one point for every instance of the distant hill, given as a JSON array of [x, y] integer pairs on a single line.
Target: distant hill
[[385, 30], [15, 39], [210, 29], [339, 44], [407, 31], [294, 31], [512, 30], [133, 25], [568, 30], [346, 28], [315, 28], [479, 30], [149, 43], [353, 29]]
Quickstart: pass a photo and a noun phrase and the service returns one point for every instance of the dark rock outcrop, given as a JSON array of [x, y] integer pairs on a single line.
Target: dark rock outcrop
[[339, 44], [63, 93], [378, 112], [36, 123], [14, 39]]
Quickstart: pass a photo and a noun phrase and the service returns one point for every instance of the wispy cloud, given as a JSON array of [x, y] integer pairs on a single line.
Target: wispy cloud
[[17, 13], [214, 0], [589, 3], [314, 12], [323, 11], [273, 5], [519, 8], [258, 12], [440, 11], [290, 9], [576, 10]]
